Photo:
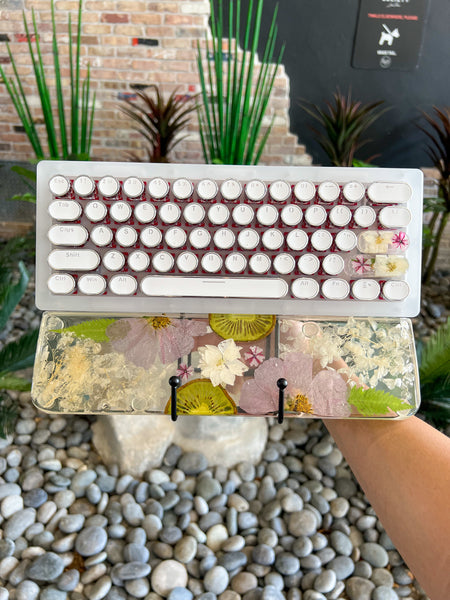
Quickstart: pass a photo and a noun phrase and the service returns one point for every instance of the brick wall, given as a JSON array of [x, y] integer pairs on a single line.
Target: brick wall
[[126, 42]]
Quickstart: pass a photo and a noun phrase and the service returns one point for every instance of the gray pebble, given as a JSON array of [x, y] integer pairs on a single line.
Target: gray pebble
[[93, 493], [358, 588], [64, 498], [384, 592], [345, 487], [325, 581], [91, 541], [71, 523], [100, 588], [7, 548], [363, 569], [216, 580], [263, 555], [46, 567], [286, 563], [27, 590], [311, 562], [180, 593], [402, 576], [170, 535], [233, 560], [278, 471], [341, 543], [135, 552], [52, 593], [192, 463], [133, 570], [81, 481], [16, 525], [383, 577], [133, 513], [208, 488], [374, 554], [137, 587], [68, 580], [302, 522], [186, 549], [9, 489], [343, 566]]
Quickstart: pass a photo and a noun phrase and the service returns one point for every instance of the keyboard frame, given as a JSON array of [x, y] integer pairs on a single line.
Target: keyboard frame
[[140, 305]]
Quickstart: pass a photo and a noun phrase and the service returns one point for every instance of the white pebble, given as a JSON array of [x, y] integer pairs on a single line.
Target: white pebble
[[7, 564], [10, 505], [216, 536]]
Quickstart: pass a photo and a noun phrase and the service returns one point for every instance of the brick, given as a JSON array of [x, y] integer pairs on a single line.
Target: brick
[[159, 32], [99, 5], [164, 7], [148, 18], [131, 30], [196, 8], [114, 18], [182, 20], [97, 29], [187, 32]]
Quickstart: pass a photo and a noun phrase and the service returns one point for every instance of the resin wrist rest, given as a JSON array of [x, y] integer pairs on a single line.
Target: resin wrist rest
[[227, 365]]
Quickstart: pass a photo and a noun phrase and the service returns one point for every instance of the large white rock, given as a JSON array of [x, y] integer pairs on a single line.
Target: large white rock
[[137, 443]]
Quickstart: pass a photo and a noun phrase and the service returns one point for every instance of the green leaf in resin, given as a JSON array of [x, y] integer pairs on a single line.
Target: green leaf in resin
[[375, 402], [95, 330]]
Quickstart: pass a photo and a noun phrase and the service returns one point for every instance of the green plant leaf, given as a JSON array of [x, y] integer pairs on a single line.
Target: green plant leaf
[[375, 402], [95, 329], [8, 415], [19, 354], [13, 295], [12, 382], [435, 357]]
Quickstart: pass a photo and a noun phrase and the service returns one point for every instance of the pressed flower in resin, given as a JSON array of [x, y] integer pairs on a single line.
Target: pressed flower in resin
[[362, 264], [142, 339], [254, 356], [221, 364], [184, 371], [374, 242], [400, 240], [323, 394], [390, 266]]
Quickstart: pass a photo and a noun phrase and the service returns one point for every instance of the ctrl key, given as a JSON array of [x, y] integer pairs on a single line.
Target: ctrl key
[[61, 283]]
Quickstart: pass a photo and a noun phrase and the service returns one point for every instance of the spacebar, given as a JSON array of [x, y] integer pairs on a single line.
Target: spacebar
[[214, 287]]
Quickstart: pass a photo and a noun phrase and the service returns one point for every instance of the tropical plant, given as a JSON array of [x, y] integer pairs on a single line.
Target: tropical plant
[[74, 144], [344, 121], [15, 355], [159, 121], [439, 152], [233, 104]]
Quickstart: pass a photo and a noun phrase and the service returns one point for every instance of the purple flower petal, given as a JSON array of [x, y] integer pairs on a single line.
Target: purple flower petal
[[328, 394], [135, 339]]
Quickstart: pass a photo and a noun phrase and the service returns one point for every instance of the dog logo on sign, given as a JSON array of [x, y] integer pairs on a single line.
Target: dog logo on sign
[[387, 36]]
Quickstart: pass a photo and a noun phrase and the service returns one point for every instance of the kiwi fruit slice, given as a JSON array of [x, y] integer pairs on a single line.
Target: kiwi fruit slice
[[242, 328], [200, 397]]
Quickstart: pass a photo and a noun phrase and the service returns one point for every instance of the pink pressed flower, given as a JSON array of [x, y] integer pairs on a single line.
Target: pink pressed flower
[[400, 240], [361, 264], [142, 339], [184, 372], [255, 356], [326, 392]]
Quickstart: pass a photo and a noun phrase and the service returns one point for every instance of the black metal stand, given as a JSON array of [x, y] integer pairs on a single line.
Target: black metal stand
[[282, 385], [174, 383]]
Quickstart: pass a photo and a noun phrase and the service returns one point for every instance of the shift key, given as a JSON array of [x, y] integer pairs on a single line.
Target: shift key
[[73, 260]]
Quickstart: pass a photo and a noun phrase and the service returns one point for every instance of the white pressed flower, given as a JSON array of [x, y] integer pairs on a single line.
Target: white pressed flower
[[221, 363], [390, 266]]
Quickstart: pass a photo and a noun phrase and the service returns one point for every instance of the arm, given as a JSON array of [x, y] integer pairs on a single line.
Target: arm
[[404, 469]]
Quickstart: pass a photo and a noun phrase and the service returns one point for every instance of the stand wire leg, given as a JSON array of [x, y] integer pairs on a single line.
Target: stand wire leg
[[174, 383], [282, 385]]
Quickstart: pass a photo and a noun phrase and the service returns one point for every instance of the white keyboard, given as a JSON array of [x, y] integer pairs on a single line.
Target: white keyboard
[[140, 238]]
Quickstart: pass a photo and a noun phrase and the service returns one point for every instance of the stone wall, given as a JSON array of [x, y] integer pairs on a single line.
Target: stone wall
[[127, 43]]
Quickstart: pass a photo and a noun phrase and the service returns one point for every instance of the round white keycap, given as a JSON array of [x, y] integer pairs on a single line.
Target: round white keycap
[[224, 239], [354, 191], [291, 215], [59, 185], [95, 211], [305, 288], [248, 239], [364, 216], [321, 240], [108, 186], [207, 189], [162, 262], [297, 240], [329, 191], [194, 213], [113, 260], [315, 215], [91, 285], [169, 212], [145, 212], [151, 237], [61, 283], [366, 289], [138, 261], [64, 210], [175, 237], [279, 191], [101, 235], [133, 187], [304, 191], [395, 290], [235, 262], [255, 190], [333, 264], [394, 216], [83, 186], [218, 214], [259, 263], [158, 188], [340, 215], [126, 236], [335, 289], [120, 211], [345, 240], [123, 285], [284, 263], [187, 262], [231, 189], [267, 215], [200, 237], [272, 239], [211, 262], [182, 189], [243, 214], [308, 264]]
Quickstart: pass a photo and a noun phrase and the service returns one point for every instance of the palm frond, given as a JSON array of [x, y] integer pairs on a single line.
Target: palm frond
[[435, 356], [13, 295], [19, 354], [8, 415]]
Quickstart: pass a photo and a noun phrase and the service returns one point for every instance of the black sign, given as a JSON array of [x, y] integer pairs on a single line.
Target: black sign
[[389, 34]]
